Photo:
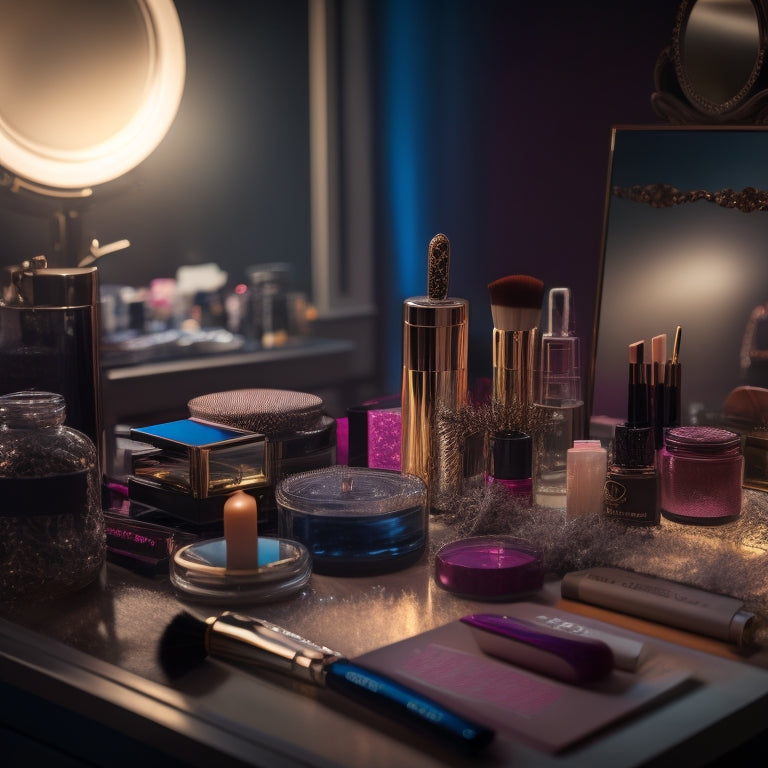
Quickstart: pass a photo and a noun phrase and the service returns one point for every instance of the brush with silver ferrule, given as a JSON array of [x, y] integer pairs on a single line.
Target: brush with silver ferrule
[[516, 312], [256, 643], [434, 376]]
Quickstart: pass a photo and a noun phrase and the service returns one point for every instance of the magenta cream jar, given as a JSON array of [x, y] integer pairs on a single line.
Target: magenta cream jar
[[701, 474]]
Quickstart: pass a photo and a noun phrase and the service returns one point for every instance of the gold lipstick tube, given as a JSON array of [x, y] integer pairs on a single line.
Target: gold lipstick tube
[[514, 366], [435, 353]]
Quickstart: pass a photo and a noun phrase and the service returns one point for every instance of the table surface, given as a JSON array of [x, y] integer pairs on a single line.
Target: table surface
[[99, 647]]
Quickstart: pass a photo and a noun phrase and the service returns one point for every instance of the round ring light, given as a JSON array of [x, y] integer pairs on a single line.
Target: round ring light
[[88, 88]]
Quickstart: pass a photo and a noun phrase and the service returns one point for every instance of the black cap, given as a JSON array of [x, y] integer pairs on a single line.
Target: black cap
[[511, 455], [634, 447]]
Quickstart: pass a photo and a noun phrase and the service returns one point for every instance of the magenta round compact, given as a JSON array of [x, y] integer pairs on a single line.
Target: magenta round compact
[[491, 568]]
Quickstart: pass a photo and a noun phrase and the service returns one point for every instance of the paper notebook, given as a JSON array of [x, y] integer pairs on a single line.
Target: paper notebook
[[543, 713]]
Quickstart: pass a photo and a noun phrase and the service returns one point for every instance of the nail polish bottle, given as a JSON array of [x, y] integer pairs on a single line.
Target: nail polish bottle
[[510, 462], [632, 489]]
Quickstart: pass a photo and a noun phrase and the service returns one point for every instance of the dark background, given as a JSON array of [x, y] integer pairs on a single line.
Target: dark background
[[494, 117]]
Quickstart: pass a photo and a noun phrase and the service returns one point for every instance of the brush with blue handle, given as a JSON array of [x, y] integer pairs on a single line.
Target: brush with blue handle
[[187, 641]]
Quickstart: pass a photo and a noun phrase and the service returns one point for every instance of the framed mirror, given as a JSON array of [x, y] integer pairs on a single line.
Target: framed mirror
[[713, 71], [685, 243], [88, 89]]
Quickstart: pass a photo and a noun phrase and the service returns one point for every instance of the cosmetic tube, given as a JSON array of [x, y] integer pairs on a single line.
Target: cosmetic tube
[[639, 392], [673, 386], [658, 385], [587, 464], [435, 353], [559, 394], [666, 602]]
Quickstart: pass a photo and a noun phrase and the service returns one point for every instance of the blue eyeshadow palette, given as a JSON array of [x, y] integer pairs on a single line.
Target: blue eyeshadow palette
[[200, 459]]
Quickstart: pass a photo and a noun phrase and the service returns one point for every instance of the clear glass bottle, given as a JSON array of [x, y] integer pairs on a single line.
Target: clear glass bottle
[[52, 536], [559, 396], [701, 475]]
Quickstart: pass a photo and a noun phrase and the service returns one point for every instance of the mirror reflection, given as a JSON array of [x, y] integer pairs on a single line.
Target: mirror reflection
[[685, 241], [720, 48]]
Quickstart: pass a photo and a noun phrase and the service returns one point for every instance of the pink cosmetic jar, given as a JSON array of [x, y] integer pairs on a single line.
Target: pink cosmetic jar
[[701, 473]]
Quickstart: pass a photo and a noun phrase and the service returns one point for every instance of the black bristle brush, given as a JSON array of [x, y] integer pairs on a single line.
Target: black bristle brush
[[187, 641]]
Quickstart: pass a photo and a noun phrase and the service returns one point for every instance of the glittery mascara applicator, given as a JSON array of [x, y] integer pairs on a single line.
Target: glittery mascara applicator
[[435, 353], [516, 311]]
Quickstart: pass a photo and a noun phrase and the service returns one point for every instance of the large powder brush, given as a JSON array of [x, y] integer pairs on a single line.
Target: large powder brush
[[516, 302]]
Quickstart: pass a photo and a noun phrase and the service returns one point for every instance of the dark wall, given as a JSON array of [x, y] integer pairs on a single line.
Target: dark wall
[[508, 115], [229, 183], [513, 142]]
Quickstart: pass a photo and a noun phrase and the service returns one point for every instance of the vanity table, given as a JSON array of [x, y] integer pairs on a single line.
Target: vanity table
[[80, 677]]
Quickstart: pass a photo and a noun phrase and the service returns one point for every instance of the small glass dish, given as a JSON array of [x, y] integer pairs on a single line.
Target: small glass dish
[[198, 570], [490, 568]]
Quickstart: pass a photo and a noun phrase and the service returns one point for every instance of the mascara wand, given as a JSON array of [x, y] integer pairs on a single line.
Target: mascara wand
[[434, 375], [246, 640]]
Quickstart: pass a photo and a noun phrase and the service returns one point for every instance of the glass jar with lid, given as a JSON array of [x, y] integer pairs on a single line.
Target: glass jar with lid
[[52, 535], [701, 475]]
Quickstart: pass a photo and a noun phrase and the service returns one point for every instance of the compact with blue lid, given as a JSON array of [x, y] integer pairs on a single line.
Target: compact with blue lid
[[199, 458], [355, 520]]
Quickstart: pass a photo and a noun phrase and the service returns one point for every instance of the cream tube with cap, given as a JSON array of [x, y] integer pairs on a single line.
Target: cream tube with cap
[[666, 602], [435, 353]]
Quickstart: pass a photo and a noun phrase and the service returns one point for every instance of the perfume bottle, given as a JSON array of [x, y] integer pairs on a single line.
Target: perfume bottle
[[510, 459], [559, 394], [632, 489]]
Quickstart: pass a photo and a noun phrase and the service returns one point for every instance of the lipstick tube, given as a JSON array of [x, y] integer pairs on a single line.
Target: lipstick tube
[[435, 352]]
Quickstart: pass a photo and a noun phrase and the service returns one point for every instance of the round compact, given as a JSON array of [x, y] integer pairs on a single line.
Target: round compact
[[199, 571], [355, 520], [269, 411], [490, 568]]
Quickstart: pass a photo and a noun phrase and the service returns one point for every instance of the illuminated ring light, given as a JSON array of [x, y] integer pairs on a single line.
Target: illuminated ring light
[[156, 93]]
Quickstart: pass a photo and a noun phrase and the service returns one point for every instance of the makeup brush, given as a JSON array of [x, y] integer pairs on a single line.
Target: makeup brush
[[673, 389], [658, 384], [246, 640], [516, 311]]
